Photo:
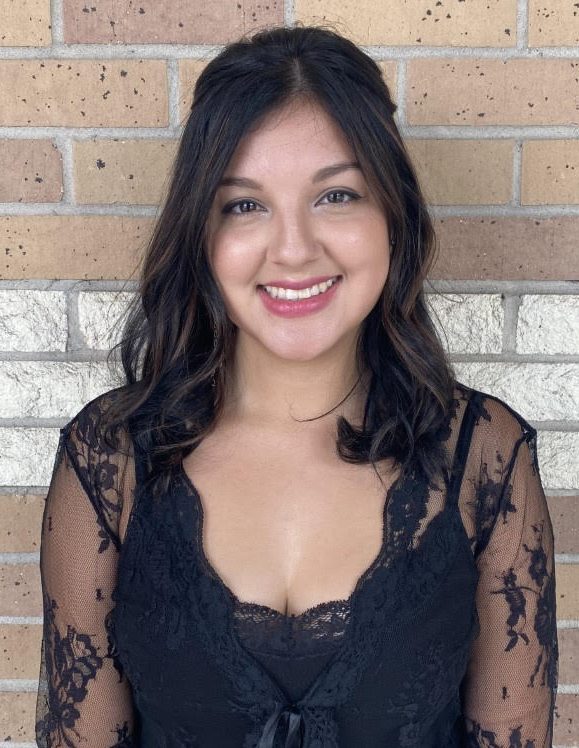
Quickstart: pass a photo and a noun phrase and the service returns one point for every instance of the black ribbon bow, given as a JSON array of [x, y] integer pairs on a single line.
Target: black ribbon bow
[[290, 714]]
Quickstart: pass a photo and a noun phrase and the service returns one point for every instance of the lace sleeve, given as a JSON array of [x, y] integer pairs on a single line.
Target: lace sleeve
[[83, 696], [511, 681]]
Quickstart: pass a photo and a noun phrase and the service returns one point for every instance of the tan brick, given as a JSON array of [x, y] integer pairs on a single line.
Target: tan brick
[[550, 172], [170, 21], [189, 71], [84, 93], [30, 171], [566, 722], [567, 584], [553, 23], [20, 593], [492, 92], [20, 522], [25, 23], [489, 24], [564, 511], [20, 648], [122, 171], [463, 172], [568, 655], [17, 716], [80, 247], [485, 248]]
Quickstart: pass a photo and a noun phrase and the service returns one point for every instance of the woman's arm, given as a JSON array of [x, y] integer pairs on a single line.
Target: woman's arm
[[511, 682], [83, 699]]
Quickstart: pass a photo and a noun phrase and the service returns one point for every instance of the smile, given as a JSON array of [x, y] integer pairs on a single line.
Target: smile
[[291, 294]]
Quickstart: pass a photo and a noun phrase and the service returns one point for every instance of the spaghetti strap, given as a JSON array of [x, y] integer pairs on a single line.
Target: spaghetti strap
[[462, 448]]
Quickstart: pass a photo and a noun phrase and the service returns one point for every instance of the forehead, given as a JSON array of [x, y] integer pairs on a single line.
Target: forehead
[[299, 135]]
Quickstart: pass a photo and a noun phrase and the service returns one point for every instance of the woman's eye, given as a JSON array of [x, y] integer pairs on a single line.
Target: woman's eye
[[352, 195], [229, 208]]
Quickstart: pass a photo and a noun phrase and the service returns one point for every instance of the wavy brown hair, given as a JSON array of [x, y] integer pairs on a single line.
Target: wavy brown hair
[[167, 343]]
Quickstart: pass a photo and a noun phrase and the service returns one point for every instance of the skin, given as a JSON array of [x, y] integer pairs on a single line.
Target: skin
[[294, 228], [287, 523]]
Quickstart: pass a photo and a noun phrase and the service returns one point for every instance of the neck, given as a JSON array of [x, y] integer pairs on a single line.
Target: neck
[[282, 394]]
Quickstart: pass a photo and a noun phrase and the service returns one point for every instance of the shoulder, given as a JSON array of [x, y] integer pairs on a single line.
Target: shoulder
[[496, 421]]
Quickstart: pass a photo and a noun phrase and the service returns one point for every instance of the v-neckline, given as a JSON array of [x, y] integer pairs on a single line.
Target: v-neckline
[[234, 600]]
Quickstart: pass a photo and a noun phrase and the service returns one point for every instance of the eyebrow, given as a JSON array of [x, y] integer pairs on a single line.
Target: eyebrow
[[325, 173]]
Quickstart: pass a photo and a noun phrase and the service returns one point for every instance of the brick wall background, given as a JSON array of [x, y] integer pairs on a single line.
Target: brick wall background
[[93, 94]]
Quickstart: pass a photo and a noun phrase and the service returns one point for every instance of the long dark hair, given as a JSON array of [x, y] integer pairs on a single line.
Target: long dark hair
[[168, 351]]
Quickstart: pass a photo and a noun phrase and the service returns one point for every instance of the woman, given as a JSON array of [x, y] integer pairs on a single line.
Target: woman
[[292, 526]]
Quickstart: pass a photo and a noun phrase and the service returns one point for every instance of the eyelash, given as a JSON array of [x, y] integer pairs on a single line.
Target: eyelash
[[228, 209]]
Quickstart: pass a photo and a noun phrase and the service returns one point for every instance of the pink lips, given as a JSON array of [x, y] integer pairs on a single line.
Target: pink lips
[[298, 285], [299, 307]]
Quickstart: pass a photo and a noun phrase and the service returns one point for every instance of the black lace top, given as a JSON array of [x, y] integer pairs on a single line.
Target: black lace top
[[448, 639]]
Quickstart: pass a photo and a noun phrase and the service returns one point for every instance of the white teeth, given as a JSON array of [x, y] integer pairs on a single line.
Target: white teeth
[[305, 293]]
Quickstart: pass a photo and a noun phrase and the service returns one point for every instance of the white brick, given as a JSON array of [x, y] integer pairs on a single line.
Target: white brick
[[471, 323], [558, 457], [539, 392], [16, 442], [48, 389], [101, 315], [548, 324], [32, 320]]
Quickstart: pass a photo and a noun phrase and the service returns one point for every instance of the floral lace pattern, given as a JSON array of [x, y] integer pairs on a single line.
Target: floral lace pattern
[[452, 629]]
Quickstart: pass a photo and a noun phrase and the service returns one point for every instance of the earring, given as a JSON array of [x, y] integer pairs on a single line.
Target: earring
[[214, 346]]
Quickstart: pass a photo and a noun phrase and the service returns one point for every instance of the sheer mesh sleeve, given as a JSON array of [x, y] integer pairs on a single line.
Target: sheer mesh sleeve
[[511, 681], [83, 696]]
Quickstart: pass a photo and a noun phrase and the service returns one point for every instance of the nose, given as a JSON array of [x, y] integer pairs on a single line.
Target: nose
[[294, 242]]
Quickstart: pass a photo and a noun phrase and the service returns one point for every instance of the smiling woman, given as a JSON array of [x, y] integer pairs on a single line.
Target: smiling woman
[[292, 526]]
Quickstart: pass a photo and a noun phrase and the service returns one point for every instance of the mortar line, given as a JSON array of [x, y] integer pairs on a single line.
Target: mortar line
[[517, 172], [57, 24], [165, 51], [289, 15], [65, 148], [522, 24]]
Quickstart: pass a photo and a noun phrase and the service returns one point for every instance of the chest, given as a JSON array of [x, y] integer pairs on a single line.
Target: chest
[[286, 523]]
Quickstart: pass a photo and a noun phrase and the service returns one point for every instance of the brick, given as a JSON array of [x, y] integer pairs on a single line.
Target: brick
[[553, 23], [189, 71], [559, 459], [82, 247], [463, 172], [567, 584], [49, 389], [548, 324], [468, 323], [485, 248], [566, 721], [20, 646], [41, 442], [17, 716], [32, 320], [564, 511], [172, 21], [568, 655], [20, 521], [492, 92], [25, 23], [540, 392], [488, 24], [99, 314], [30, 171], [20, 593], [550, 172], [84, 93], [122, 171]]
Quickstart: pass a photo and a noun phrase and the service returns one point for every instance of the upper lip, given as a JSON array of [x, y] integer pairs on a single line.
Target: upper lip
[[299, 284]]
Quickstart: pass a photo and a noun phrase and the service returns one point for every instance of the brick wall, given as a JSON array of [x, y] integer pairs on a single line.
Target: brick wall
[[93, 95]]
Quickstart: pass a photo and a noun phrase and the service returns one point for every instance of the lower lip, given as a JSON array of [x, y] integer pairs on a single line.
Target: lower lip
[[285, 308]]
